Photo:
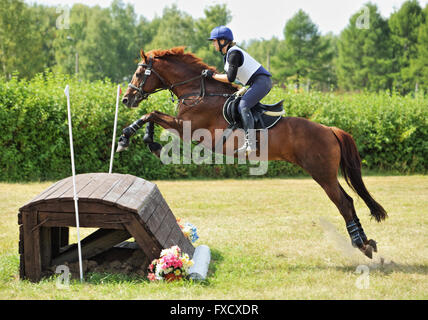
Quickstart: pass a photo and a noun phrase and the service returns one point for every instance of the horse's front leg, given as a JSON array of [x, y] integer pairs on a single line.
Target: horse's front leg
[[164, 120]]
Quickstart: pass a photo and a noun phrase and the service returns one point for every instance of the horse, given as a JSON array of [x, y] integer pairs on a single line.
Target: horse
[[318, 149]]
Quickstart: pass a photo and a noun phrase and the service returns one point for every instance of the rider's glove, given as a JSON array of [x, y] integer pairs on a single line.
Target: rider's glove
[[207, 73]]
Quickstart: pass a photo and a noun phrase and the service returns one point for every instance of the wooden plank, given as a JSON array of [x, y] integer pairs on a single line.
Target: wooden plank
[[151, 203], [174, 237], [45, 247], [59, 239], [108, 183], [45, 193], [84, 206], [100, 181], [82, 181], [119, 189], [134, 197], [21, 253], [144, 238], [186, 246], [31, 246], [96, 243], [86, 220], [67, 185], [163, 232], [64, 236], [156, 219], [55, 240], [95, 182]]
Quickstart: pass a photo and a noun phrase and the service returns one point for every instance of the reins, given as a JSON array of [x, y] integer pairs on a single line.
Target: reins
[[199, 96]]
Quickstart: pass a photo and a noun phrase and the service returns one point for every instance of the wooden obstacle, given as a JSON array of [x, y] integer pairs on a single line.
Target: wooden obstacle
[[121, 206]]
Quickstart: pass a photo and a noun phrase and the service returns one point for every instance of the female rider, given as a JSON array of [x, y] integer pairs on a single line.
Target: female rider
[[239, 65]]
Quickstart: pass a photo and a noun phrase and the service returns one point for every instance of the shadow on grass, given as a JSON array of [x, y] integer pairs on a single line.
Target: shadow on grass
[[390, 268], [114, 278], [374, 268], [216, 260]]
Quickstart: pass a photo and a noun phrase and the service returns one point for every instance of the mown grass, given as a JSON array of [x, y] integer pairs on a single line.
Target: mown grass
[[268, 239]]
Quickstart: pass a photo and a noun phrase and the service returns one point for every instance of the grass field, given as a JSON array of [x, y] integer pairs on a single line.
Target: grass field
[[270, 239]]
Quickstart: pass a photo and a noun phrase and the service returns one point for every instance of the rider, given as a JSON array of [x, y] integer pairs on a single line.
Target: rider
[[239, 65]]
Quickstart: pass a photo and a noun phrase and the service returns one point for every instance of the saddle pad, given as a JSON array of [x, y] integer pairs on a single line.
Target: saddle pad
[[261, 121]]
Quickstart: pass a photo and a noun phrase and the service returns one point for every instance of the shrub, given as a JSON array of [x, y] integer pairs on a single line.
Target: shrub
[[391, 131]]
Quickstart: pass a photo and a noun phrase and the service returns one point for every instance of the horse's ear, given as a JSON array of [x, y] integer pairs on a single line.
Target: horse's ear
[[143, 55]]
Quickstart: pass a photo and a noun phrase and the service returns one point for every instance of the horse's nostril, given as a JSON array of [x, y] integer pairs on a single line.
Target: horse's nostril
[[125, 101]]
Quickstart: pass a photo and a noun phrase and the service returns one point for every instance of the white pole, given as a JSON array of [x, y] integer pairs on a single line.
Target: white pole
[[114, 129], [76, 207]]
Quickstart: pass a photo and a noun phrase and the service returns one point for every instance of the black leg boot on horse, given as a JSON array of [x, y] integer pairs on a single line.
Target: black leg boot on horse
[[148, 138], [128, 132]]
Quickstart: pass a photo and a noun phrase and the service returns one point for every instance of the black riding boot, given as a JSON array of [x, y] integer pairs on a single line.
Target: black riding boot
[[250, 134]]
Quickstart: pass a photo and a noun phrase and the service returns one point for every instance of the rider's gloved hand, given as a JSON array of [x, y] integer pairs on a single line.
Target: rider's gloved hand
[[207, 73]]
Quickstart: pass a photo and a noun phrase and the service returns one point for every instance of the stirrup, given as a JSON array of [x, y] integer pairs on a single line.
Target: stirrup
[[248, 147]]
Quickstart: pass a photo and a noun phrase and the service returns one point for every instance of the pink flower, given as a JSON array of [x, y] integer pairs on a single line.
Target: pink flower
[[151, 276]]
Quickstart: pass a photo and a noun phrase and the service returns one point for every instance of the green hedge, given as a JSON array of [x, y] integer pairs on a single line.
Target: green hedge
[[391, 131]]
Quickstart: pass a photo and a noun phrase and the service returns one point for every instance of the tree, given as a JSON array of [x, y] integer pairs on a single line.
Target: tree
[[404, 25], [125, 40], [105, 40], [264, 50], [215, 15], [304, 56], [365, 54], [175, 28], [69, 40], [26, 34], [420, 63]]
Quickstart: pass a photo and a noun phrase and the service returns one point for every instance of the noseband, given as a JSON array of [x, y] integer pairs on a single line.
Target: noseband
[[149, 70]]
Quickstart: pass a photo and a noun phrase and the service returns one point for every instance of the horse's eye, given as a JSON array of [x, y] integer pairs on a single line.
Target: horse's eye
[[139, 74]]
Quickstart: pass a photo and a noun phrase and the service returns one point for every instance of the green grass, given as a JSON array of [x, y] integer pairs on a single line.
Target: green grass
[[267, 242]]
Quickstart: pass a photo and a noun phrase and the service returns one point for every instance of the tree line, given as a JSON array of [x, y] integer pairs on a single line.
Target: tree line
[[372, 52]]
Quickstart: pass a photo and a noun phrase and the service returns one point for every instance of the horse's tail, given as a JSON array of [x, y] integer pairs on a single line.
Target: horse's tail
[[350, 163]]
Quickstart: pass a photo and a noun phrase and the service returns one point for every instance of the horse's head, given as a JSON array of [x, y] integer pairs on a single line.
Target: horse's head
[[144, 82]]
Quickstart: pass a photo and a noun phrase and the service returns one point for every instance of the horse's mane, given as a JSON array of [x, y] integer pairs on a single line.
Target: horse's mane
[[186, 57]]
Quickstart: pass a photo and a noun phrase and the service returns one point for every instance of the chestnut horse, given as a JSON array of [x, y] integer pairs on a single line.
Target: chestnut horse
[[318, 149]]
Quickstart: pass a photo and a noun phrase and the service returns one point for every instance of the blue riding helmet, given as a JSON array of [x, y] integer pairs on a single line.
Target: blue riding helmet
[[221, 32]]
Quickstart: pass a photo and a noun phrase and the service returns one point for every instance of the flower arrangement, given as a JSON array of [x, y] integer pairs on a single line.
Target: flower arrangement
[[189, 230], [172, 265]]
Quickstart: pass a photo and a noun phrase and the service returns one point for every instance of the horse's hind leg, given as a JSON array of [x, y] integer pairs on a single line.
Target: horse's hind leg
[[370, 242], [346, 207]]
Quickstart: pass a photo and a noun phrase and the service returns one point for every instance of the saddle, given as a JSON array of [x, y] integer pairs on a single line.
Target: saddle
[[265, 116]]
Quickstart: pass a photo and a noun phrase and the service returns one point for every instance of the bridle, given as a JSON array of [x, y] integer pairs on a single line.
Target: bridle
[[149, 70]]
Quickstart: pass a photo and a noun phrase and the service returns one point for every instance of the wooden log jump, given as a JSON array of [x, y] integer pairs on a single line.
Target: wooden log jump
[[121, 206]]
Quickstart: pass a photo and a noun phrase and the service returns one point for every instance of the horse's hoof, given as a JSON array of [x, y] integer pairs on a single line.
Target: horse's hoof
[[155, 148], [123, 144], [120, 148], [368, 251], [373, 244], [147, 139]]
